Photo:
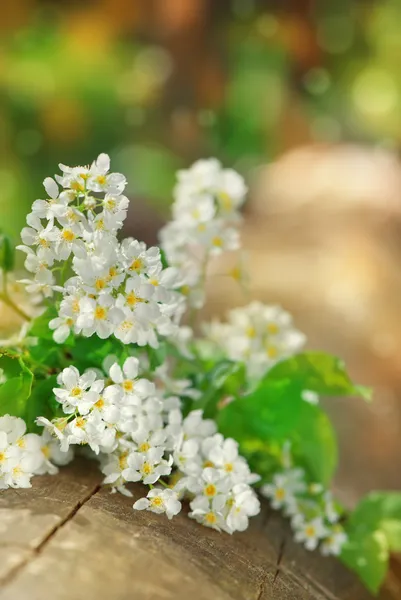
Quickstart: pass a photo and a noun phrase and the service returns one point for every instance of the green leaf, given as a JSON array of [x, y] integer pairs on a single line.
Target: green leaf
[[318, 372], [367, 554], [7, 253], [374, 530], [16, 390], [40, 325], [379, 511], [89, 352], [222, 380], [42, 403], [275, 412]]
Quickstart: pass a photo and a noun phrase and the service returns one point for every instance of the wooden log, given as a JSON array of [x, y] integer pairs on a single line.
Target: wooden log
[[68, 538]]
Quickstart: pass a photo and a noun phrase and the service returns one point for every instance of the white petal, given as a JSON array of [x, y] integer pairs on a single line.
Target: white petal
[[51, 187], [116, 373]]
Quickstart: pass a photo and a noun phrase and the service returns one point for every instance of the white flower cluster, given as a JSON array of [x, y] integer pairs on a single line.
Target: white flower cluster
[[207, 199], [258, 335], [314, 516], [23, 455], [119, 289], [140, 435]]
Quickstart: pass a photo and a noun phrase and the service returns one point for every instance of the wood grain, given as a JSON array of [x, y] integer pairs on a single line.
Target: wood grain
[[67, 538]]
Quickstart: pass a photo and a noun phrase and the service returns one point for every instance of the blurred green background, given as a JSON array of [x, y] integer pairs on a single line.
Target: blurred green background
[[158, 83]]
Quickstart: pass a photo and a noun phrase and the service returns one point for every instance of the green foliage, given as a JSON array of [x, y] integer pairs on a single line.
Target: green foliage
[[222, 380], [374, 530], [318, 372], [7, 253], [16, 389], [276, 412], [42, 403]]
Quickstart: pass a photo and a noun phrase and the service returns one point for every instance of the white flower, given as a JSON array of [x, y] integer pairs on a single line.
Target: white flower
[[147, 466], [332, 545], [244, 504], [98, 316], [310, 532], [20, 453], [283, 488], [160, 501], [209, 513], [79, 392], [205, 217], [125, 379], [224, 455], [257, 335]]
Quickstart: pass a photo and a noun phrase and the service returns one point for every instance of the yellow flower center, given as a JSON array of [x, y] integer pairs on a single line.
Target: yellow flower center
[[217, 241], [101, 179], [136, 264], [44, 243], [100, 313], [229, 467], [68, 235], [147, 468], [210, 490], [80, 422], [279, 494], [110, 203], [17, 471], [100, 403], [157, 501], [100, 225], [132, 299], [126, 325], [250, 331], [272, 328], [76, 391], [208, 463], [2, 457], [225, 200], [128, 385], [210, 518], [144, 447], [271, 351], [75, 306], [69, 322], [46, 451], [113, 272], [100, 284], [310, 531], [77, 187], [122, 461], [154, 282]]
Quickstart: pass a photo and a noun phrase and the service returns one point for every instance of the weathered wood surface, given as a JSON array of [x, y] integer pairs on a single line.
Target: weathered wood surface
[[68, 538]]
